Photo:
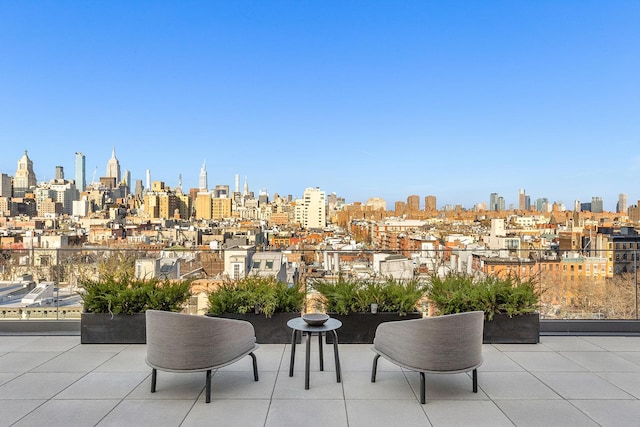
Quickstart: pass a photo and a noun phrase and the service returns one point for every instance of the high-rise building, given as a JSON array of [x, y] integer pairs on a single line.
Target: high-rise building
[[80, 172], [542, 204], [64, 193], [377, 204], [139, 188], [220, 208], [221, 190], [113, 167], [59, 172], [126, 179], [25, 177], [203, 205], [413, 203], [622, 203], [203, 184], [430, 204], [332, 201], [596, 204], [5, 185], [312, 209], [524, 201], [634, 212], [493, 202]]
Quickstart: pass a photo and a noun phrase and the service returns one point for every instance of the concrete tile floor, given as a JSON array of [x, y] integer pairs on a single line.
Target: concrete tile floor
[[568, 381]]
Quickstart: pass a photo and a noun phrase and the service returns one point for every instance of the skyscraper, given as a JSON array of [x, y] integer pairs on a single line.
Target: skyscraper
[[493, 202], [203, 185], [80, 172], [126, 180], [524, 201], [312, 209], [596, 204], [430, 203], [413, 203], [59, 172], [622, 203], [25, 177], [5, 185], [113, 167], [138, 191]]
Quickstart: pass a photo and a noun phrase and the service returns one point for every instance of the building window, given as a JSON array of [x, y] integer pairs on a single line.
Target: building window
[[256, 264], [269, 265], [236, 271]]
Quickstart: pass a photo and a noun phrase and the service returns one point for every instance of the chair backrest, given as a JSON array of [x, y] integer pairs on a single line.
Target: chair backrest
[[441, 343], [182, 341]]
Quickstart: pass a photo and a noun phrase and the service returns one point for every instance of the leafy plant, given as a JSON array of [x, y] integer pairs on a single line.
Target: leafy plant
[[266, 293], [126, 295], [344, 296], [458, 292]]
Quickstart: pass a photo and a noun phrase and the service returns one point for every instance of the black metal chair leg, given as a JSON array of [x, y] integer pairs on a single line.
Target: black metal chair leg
[[374, 368], [255, 366], [474, 375], [154, 375], [423, 391], [208, 387]]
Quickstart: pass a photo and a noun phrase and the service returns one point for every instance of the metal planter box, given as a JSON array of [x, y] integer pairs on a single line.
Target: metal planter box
[[360, 328], [106, 328], [520, 329], [269, 330]]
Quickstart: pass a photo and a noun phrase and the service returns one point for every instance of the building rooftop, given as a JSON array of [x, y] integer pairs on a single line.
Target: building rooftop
[[564, 380]]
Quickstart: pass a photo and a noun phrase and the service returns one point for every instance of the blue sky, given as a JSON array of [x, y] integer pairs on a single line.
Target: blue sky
[[457, 99]]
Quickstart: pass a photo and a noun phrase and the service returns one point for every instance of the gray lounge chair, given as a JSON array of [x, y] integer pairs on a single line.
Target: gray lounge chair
[[184, 343], [442, 344]]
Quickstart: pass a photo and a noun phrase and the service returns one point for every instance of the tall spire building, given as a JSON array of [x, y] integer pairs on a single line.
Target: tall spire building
[[113, 167], [25, 177], [204, 185]]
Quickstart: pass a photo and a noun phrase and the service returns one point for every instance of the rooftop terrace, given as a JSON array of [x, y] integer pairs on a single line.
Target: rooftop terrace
[[567, 380]]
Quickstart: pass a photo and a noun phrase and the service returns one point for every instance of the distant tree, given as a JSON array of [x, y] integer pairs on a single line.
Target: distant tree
[[117, 264]]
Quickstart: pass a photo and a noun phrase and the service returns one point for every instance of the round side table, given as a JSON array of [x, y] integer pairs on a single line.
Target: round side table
[[299, 326]]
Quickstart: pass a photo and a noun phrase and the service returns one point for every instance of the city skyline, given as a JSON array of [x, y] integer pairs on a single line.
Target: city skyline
[[457, 100], [419, 201]]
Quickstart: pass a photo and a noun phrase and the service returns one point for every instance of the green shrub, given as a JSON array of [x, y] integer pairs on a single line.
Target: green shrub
[[126, 295], [266, 293], [458, 292], [344, 296]]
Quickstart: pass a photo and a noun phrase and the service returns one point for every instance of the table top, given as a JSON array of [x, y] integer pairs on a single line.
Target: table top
[[299, 324]]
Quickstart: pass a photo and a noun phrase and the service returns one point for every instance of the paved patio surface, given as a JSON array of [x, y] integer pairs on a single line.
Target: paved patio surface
[[564, 381]]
